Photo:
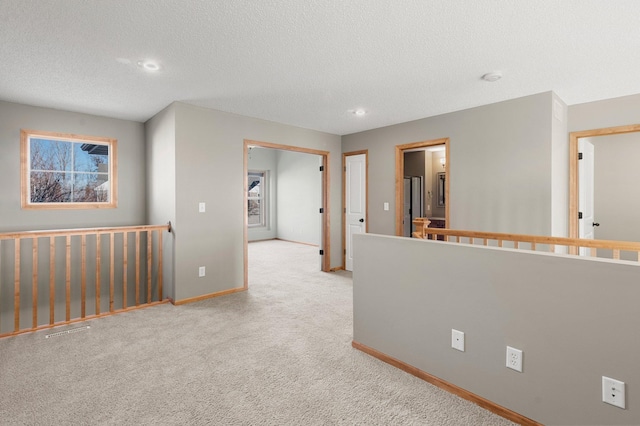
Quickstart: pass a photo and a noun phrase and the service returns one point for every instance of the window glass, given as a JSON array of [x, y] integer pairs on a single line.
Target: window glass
[[67, 171], [255, 198]]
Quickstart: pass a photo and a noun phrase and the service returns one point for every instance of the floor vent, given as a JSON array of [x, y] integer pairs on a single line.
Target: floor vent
[[65, 332]]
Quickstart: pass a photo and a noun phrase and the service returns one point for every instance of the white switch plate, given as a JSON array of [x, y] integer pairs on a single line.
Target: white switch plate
[[201, 207], [613, 392], [201, 271], [514, 359], [386, 206], [457, 339]]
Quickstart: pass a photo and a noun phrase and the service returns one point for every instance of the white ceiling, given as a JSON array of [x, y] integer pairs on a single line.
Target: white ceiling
[[310, 62]]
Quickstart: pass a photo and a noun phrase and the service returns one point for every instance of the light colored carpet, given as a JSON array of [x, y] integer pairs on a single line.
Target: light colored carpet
[[279, 354]]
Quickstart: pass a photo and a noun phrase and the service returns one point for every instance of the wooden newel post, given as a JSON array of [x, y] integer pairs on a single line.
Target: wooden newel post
[[421, 224]]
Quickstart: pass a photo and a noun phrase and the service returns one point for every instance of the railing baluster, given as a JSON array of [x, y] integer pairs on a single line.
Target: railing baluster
[[593, 252], [485, 241], [471, 240], [149, 259], [83, 277], [58, 258], [159, 265], [52, 279], [68, 279], [16, 286], [125, 256], [533, 246], [34, 283], [137, 268], [499, 243], [98, 272], [616, 254], [552, 248], [516, 245], [111, 269]]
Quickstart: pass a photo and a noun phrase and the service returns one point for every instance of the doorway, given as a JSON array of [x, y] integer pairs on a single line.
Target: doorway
[[581, 196], [436, 187], [355, 196], [324, 212]]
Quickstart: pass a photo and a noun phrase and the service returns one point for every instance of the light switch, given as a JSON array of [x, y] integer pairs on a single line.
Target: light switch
[[386, 206], [201, 207]]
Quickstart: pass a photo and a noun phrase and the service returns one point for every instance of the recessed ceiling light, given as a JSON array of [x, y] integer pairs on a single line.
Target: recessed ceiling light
[[149, 65], [492, 76], [359, 112]]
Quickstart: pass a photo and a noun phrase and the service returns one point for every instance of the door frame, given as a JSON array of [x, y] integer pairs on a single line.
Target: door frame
[[344, 199], [400, 149], [325, 245], [573, 168]]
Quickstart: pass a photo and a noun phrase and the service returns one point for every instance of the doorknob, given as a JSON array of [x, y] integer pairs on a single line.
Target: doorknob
[[362, 220], [596, 224]]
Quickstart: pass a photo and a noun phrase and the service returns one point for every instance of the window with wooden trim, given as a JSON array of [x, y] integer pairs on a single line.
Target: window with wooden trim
[[256, 199], [66, 171]]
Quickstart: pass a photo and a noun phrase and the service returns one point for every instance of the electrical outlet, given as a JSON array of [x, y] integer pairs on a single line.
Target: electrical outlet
[[457, 340], [613, 392], [201, 271], [202, 207], [514, 359]]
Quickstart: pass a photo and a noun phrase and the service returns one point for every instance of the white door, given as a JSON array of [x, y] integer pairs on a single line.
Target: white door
[[586, 196], [356, 202]]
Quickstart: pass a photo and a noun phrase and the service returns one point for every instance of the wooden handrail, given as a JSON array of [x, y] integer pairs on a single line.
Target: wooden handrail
[[76, 276], [81, 231], [534, 240], [523, 238]]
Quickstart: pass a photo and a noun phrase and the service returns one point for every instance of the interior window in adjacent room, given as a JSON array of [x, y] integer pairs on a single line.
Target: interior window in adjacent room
[[256, 199], [67, 171]]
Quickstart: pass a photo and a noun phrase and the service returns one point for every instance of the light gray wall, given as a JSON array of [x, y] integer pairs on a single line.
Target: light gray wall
[[436, 168], [559, 169], [131, 168], [500, 165], [265, 159], [299, 199], [607, 113], [429, 177], [209, 157], [161, 184], [616, 192], [573, 317]]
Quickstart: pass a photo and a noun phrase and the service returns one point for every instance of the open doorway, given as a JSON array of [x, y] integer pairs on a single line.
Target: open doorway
[[253, 199], [603, 196], [422, 184]]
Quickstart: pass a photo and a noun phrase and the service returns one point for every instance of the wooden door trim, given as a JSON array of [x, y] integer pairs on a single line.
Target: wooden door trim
[[573, 167], [326, 223], [400, 149], [344, 199]]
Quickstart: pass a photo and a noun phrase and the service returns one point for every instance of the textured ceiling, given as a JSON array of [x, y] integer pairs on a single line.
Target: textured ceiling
[[309, 63]]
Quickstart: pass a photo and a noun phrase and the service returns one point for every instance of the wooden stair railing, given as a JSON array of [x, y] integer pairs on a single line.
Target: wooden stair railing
[[73, 264], [533, 242]]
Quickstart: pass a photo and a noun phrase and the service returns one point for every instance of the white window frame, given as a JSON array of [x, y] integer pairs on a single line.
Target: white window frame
[[25, 166]]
